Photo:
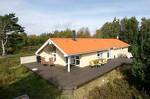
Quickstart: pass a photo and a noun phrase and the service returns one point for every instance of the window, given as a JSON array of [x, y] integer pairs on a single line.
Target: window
[[108, 55], [54, 57], [67, 60], [75, 60], [100, 54], [77, 57]]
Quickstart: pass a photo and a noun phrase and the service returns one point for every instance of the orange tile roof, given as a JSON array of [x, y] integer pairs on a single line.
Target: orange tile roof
[[85, 45]]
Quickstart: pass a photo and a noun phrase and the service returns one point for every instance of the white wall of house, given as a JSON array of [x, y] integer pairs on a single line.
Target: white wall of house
[[121, 51], [60, 59], [104, 55], [86, 58], [59, 56], [45, 54]]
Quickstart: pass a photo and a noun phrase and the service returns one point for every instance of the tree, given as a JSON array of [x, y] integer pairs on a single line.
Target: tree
[[144, 33], [83, 33], [15, 42], [63, 34], [129, 30], [146, 59], [111, 29], [8, 25], [141, 66], [98, 34]]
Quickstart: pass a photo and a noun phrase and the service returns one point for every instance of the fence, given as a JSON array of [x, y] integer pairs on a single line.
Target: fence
[[27, 59]]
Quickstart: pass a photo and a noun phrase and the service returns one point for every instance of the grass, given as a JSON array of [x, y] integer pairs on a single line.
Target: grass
[[117, 88], [31, 85], [83, 91], [16, 80]]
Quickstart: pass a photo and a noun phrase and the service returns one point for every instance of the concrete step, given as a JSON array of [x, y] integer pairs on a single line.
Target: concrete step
[[67, 92]]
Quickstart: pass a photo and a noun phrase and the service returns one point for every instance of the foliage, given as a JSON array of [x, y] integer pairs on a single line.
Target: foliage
[[9, 68], [32, 85], [138, 36], [129, 30], [98, 34], [15, 42], [110, 29], [83, 33], [8, 25], [126, 28], [63, 34], [141, 67], [116, 89]]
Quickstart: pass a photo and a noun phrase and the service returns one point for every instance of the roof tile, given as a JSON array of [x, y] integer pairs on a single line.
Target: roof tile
[[85, 45]]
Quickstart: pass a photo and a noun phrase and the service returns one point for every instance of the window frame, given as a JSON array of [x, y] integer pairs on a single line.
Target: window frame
[[75, 58], [100, 54], [108, 54]]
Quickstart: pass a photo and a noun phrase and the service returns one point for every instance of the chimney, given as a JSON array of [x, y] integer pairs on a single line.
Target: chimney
[[74, 35], [117, 37]]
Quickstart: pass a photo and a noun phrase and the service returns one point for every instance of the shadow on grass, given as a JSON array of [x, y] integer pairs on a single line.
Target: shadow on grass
[[31, 85]]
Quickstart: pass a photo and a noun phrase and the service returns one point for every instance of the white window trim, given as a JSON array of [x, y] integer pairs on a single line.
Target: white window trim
[[110, 54]]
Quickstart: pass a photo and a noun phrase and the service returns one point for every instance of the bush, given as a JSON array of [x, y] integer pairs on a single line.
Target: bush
[[116, 89]]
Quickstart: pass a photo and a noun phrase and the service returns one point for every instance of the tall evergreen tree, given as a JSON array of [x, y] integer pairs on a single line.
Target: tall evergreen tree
[[129, 30]]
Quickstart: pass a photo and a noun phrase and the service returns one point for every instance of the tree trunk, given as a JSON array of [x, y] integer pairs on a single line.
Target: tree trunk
[[3, 48]]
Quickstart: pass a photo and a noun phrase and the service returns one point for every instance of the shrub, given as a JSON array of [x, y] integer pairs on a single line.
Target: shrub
[[116, 89]]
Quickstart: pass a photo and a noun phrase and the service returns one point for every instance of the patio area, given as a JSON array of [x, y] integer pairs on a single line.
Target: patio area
[[69, 81]]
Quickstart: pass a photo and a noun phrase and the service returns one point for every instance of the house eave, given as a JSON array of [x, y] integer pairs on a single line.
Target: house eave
[[49, 41], [94, 51]]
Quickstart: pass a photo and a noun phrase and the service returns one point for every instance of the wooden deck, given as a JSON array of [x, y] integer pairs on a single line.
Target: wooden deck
[[58, 75]]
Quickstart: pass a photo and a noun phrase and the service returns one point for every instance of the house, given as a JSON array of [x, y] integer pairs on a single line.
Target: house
[[79, 51]]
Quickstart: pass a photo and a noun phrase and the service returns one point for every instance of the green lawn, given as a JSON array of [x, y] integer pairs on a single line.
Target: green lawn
[[16, 80]]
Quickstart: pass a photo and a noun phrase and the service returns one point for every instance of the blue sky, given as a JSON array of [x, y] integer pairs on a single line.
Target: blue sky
[[38, 16]]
